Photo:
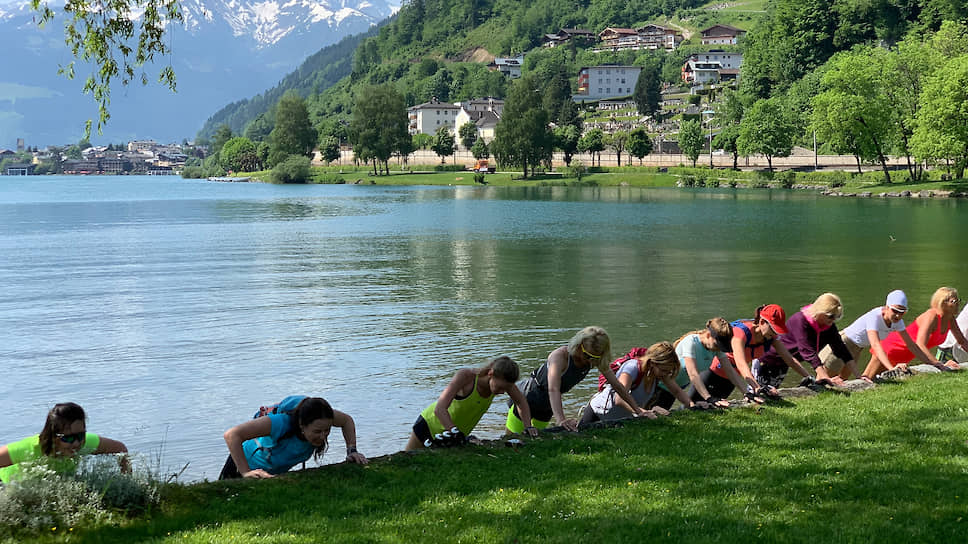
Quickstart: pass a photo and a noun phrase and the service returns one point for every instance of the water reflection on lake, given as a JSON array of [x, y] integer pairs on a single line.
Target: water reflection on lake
[[171, 309]]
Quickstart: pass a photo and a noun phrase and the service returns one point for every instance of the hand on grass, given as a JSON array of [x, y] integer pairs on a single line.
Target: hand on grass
[[257, 473], [358, 458], [569, 424]]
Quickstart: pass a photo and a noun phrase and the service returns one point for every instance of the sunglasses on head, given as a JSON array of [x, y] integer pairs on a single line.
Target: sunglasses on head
[[71, 438]]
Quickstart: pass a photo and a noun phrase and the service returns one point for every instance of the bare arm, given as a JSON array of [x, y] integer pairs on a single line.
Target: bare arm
[[5, 460], [927, 322], [624, 382], [623, 391], [517, 397], [557, 361], [742, 364], [234, 438], [460, 384], [348, 427], [781, 350], [107, 445], [674, 388]]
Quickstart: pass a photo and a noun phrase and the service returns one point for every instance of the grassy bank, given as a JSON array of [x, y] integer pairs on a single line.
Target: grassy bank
[[640, 176], [883, 465]]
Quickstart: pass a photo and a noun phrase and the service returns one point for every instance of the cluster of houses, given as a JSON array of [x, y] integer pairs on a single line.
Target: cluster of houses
[[140, 157], [609, 85], [428, 117], [650, 36]]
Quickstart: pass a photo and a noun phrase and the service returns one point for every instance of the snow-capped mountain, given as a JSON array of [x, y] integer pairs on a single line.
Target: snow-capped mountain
[[225, 50]]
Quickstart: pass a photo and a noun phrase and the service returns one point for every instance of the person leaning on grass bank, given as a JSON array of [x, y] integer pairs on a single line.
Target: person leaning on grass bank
[[929, 330], [639, 372], [63, 439], [465, 400], [867, 332], [564, 369], [808, 331], [697, 350], [282, 436], [751, 338]]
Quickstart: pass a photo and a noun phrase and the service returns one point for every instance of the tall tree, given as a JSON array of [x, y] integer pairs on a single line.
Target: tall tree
[[618, 141], [480, 150], [640, 144], [443, 143], [593, 142], [647, 90], [566, 140], [468, 134], [852, 111], [941, 131], [240, 155], [766, 130], [691, 140], [379, 125], [293, 134], [522, 137]]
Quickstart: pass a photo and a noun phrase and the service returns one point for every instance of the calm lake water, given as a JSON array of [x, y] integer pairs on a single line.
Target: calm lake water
[[172, 309]]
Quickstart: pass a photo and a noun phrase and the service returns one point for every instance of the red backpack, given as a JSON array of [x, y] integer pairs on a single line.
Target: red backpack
[[634, 353]]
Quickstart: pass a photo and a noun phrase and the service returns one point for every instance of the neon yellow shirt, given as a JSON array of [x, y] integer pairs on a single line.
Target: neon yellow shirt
[[465, 412], [28, 449]]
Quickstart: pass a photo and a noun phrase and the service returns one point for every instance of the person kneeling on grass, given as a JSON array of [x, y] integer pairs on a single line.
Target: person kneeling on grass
[[61, 442], [929, 330], [281, 436], [808, 331], [697, 350], [565, 368], [639, 372], [449, 420], [867, 332], [751, 338]]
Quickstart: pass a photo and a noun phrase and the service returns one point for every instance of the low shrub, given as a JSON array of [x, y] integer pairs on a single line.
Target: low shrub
[[44, 499], [449, 168], [329, 178], [294, 169], [479, 178]]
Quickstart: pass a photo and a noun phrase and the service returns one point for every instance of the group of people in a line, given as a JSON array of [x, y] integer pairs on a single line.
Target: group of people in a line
[[701, 370]]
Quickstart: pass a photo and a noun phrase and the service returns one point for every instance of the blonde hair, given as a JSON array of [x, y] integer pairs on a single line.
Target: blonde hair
[[942, 294], [595, 341], [662, 356], [829, 304], [717, 327]]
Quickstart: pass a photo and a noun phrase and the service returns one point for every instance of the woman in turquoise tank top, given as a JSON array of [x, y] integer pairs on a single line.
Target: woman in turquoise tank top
[[449, 420]]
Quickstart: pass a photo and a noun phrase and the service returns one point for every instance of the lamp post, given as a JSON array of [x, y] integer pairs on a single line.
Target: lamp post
[[710, 123]]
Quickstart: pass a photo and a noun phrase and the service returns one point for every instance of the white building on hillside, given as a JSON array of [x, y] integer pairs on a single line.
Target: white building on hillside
[[606, 81], [426, 118]]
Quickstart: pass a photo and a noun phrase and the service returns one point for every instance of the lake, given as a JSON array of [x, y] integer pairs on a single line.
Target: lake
[[172, 309]]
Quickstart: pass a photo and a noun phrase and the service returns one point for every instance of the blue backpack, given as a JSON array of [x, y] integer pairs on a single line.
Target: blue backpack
[[287, 406]]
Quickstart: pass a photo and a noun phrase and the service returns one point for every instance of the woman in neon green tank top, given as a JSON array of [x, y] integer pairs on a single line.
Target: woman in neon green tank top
[[63, 439], [448, 421]]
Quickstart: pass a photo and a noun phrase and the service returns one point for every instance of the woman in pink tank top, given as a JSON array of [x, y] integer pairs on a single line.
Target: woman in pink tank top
[[928, 331]]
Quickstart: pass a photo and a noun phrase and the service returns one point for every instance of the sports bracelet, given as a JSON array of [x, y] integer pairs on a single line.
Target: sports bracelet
[[350, 450]]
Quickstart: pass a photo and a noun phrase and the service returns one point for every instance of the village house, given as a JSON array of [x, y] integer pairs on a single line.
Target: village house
[[606, 81], [711, 66], [565, 35], [721, 35], [484, 112], [142, 145], [654, 36], [510, 66], [426, 118], [26, 169], [619, 38]]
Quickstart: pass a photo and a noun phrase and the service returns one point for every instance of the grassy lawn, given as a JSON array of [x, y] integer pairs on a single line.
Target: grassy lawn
[[886, 465]]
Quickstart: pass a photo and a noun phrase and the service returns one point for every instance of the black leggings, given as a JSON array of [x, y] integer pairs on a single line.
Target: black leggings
[[717, 385], [229, 471]]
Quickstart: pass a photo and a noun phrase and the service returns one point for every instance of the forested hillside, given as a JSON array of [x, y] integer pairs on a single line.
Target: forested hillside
[[440, 48]]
